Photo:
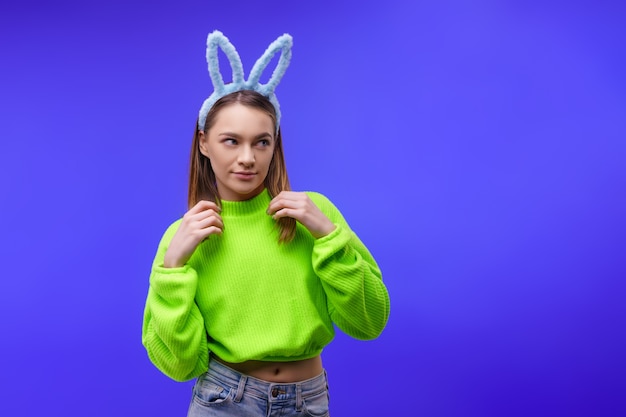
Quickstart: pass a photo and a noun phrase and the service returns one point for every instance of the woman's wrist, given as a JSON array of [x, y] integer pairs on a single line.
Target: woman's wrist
[[170, 261]]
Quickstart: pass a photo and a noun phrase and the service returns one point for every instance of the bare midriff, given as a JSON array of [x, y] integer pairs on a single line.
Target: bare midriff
[[281, 372]]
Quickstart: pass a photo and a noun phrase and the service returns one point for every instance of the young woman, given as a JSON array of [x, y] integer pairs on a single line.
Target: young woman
[[246, 287]]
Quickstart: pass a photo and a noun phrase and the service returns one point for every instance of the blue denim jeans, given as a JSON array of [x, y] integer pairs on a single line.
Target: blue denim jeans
[[222, 391]]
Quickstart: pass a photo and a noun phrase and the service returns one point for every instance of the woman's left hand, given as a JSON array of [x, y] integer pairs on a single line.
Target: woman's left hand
[[299, 206]]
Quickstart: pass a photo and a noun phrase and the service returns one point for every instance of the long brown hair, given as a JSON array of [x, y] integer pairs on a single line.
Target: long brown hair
[[202, 182]]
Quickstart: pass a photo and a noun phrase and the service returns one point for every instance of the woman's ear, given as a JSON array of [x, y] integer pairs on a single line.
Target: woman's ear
[[202, 141]]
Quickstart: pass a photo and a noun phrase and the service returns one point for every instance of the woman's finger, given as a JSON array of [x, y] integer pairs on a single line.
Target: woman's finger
[[203, 205], [288, 199], [215, 220]]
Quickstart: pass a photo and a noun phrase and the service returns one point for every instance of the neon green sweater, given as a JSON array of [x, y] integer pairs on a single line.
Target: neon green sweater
[[245, 297]]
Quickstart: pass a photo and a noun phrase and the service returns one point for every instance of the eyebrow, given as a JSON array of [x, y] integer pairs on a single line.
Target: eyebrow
[[238, 136]]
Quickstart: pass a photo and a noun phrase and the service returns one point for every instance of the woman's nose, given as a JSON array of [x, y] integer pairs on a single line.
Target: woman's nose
[[246, 155]]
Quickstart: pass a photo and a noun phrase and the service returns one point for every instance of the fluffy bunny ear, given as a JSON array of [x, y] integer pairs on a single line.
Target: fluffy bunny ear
[[214, 40], [282, 43]]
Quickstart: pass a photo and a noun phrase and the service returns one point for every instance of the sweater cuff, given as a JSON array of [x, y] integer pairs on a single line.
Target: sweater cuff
[[333, 241], [174, 280]]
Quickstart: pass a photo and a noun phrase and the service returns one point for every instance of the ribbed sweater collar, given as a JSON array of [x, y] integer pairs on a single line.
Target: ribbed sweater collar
[[255, 205]]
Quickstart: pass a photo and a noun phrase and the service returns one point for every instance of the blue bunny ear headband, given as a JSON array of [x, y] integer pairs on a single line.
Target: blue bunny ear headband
[[282, 43]]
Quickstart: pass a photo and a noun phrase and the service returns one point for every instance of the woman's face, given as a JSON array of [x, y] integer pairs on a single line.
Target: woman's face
[[240, 146]]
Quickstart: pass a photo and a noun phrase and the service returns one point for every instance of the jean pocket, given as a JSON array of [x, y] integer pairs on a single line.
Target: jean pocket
[[208, 392], [316, 405]]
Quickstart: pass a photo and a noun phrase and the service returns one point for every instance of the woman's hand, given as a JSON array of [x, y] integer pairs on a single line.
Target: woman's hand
[[201, 221], [299, 206]]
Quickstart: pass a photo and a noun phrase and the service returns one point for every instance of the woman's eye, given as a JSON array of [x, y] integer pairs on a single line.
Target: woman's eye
[[264, 142], [230, 141]]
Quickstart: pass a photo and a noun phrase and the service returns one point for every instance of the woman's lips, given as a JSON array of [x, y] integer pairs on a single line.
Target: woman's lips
[[244, 175]]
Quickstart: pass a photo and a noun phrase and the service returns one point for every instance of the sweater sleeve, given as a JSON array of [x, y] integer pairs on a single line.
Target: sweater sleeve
[[173, 330], [358, 301]]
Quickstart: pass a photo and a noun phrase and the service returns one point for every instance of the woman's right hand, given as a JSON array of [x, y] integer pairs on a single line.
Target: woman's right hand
[[201, 221]]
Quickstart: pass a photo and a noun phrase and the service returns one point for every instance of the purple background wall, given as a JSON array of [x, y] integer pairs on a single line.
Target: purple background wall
[[476, 147]]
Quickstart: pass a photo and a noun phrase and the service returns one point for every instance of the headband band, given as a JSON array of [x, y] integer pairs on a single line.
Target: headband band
[[217, 39]]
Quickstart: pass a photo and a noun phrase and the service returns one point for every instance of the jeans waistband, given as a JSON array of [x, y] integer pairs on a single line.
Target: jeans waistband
[[273, 391]]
